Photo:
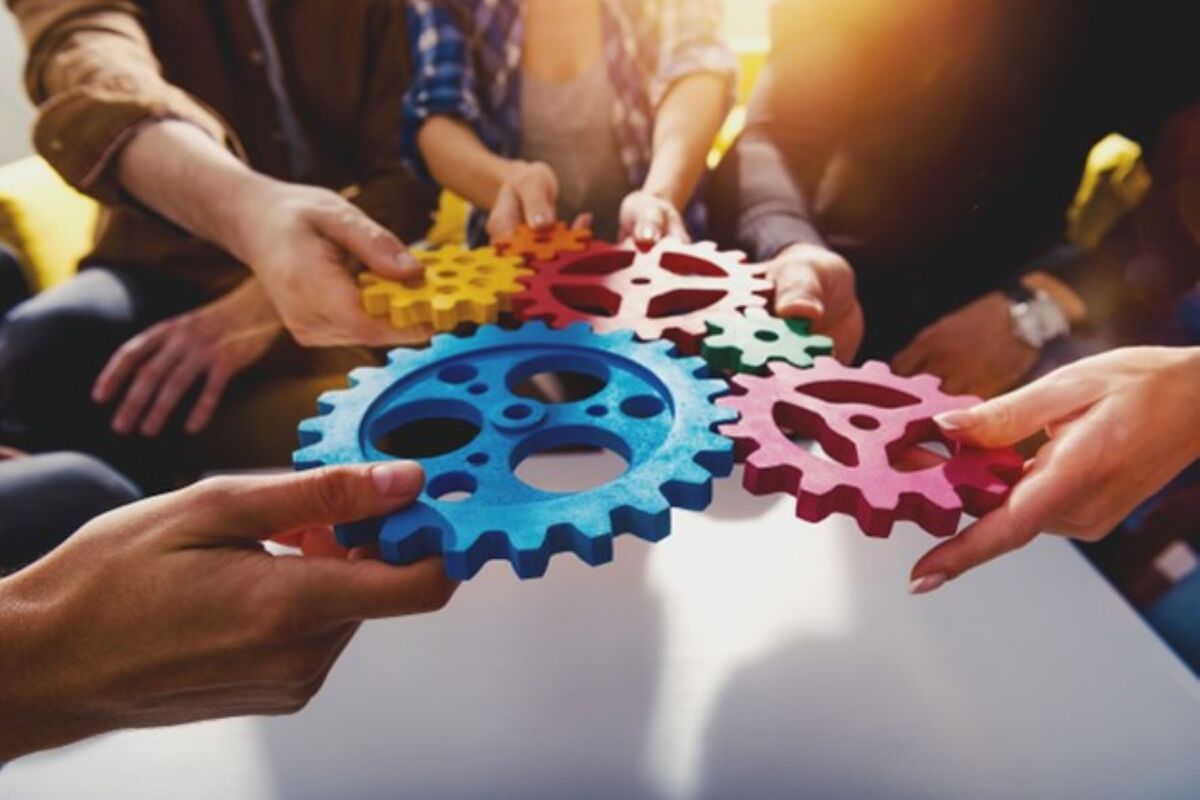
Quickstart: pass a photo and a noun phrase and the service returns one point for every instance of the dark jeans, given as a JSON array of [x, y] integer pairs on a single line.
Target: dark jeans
[[53, 346], [46, 498], [13, 286]]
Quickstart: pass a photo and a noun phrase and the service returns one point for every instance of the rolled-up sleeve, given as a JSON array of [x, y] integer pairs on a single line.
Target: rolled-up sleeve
[[690, 43], [444, 81], [93, 75]]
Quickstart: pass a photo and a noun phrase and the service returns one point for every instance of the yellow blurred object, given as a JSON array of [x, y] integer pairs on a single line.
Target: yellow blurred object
[[48, 223], [752, 57], [450, 221], [1115, 181]]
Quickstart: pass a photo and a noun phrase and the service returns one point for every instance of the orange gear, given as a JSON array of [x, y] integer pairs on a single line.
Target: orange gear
[[459, 286], [543, 245]]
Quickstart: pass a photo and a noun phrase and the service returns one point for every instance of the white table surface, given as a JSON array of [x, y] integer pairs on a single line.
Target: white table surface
[[748, 655]]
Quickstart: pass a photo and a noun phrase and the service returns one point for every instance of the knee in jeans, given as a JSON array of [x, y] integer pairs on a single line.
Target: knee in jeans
[[96, 487]]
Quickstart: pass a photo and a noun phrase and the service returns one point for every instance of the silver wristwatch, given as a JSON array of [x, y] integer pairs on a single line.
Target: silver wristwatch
[[1037, 320]]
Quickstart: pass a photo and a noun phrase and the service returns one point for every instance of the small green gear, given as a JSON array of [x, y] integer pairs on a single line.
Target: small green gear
[[748, 342]]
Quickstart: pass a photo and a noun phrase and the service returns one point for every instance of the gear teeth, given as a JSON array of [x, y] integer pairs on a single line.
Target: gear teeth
[[459, 287], [679, 473], [311, 430], [875, 494]]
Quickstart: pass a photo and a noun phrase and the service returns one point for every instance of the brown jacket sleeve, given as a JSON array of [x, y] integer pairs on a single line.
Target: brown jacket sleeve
[[390, 193], [95, 79]]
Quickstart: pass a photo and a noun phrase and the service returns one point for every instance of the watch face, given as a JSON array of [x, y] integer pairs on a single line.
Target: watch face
[[1039, 321]]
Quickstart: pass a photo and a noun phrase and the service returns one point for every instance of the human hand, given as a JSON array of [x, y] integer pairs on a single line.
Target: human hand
[[157, 367], [528, 196], [170, 611], [302, 242], [647, 218], [818, 285], [1121, 426], [973, 350]]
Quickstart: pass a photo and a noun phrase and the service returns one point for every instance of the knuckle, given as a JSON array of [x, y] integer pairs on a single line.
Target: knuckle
[[333, 490]]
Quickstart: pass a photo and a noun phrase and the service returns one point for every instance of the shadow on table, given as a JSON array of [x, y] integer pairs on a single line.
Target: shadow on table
[[534, 689], [993, 688]]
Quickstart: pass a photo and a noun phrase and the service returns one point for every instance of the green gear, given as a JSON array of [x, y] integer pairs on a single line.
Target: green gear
[[749, 342]]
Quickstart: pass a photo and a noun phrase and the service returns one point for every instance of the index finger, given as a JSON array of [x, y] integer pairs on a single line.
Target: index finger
[[330, 591], [1056, 483]]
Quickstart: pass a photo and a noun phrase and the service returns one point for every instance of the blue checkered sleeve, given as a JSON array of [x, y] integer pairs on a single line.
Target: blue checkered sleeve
[[444, 81]]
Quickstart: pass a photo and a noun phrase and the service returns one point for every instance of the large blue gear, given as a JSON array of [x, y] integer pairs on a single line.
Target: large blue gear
[[655, 410]]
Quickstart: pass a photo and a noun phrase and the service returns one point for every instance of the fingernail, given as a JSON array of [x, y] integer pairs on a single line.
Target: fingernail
[[646, 233], [539, 220], [407, 260], [953, 420], [396, 478], [927, 584]]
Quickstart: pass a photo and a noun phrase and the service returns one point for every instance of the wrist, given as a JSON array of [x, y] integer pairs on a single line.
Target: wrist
[[40, 708], [1189, 372]]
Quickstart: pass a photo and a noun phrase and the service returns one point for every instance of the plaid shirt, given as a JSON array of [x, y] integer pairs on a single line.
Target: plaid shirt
[[648, 45]]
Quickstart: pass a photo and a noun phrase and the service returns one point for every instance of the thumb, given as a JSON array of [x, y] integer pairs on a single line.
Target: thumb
[[798, 291], [368, 241], [1012, 418], [260, 508], [649, 226]]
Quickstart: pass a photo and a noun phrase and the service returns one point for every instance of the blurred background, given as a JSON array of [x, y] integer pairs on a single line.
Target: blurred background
[[744, 19]]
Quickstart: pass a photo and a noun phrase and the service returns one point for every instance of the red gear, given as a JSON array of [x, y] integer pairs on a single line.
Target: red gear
[[667, 292], [865, 419]]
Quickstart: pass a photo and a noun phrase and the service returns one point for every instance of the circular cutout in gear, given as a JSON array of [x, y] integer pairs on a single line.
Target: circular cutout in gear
[[656, 413], [666, 292]]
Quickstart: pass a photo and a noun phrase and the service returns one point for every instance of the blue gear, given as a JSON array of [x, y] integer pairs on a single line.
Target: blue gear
[[655, 411]]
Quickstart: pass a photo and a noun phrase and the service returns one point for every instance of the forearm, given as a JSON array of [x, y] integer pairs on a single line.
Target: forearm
[[757, 204], [32, 693], [460, 162], [685, 126], [180, 172]]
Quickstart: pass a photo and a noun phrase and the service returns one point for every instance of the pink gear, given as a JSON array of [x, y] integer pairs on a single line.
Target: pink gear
[[866, 420], [665, 292]]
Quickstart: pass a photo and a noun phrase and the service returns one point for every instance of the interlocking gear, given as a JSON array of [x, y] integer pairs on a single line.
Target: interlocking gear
[[654, 409], [749, 341], [459, 286], [543, 245], [870, 423], [667, 292]]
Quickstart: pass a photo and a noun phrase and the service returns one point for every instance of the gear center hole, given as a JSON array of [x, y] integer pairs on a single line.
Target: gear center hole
[[766, 336]]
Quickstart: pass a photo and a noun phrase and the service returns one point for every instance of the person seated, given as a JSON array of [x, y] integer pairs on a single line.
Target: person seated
[[243, 160], [911, 160], [46, 497], [596, 112], [207, 623]]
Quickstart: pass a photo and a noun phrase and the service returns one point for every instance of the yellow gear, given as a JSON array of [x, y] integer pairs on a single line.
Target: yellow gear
[[459, 286]]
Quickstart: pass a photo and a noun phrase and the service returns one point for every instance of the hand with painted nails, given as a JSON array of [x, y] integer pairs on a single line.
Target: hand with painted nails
[[528, 195], [170, 610], [208, 346], [1120, 426], [817, 284], [647, 218]]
